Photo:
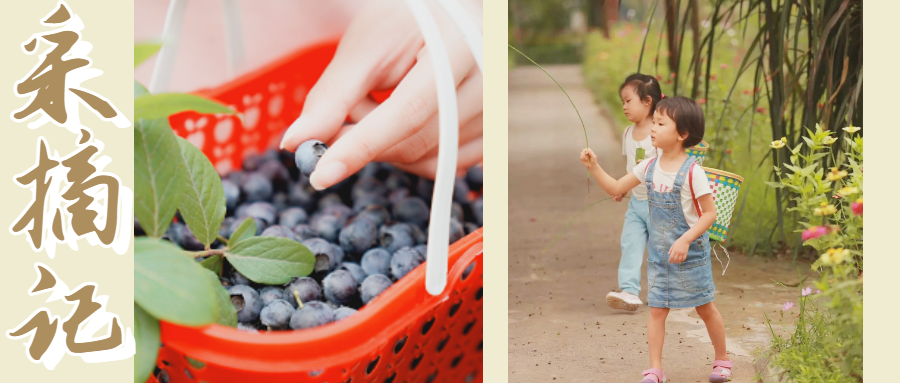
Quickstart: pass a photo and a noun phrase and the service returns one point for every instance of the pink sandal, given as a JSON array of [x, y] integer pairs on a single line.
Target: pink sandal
[[721, 371], [653, 375]]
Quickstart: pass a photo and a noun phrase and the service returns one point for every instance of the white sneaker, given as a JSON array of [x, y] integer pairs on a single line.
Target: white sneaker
[[623, 301]]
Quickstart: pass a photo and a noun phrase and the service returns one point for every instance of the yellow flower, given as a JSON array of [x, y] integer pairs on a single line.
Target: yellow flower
[[835, 174], [847, 191], [852, 129], [835, 256], [825, 209], [778, 144], [829, 140], [826, 259]]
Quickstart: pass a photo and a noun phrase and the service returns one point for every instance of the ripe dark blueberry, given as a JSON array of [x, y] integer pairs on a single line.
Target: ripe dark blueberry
[[396, 236], [239, 279], [368, 185], [475, 177], [257, 187], [314, 314], [271, 154], [262, 210], [270, 293], [354, 269], [470, 227], [226, 223], [457, 231], [425, 189], [460, 190], [189, 241], [252, 161], [377, 214], [343, 212], [330, 199], [247, 327], [343, 312], [340, 287], [478, 211], [232, 194], [279, 231], [308, 154], [292, 216], [358, 236], [376, 261], [326, 226], [367, 200], [423, 251], [307, 288], [304, 232], [418, 234], [237, 177], [413, 210], [280, 201], [277, 314], [456, 212], [404, 261], [338, 255], [398, 195], [373, 285], [372, 169], [397, 180], [246, 301], [174, 233], [275, 171], [138, 230], [300, 195], [326, 256]]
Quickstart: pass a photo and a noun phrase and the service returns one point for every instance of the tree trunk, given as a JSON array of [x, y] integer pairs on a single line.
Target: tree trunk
[[671, 27], [695, 29], [600, 6]]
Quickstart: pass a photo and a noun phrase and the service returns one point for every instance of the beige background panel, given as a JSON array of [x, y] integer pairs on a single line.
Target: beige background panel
[[109, 29]]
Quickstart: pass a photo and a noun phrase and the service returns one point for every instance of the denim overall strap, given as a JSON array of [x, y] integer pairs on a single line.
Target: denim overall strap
[[682, 175]]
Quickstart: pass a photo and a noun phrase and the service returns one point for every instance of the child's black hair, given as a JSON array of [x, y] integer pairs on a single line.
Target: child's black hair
[[645, 86], [688, 118]]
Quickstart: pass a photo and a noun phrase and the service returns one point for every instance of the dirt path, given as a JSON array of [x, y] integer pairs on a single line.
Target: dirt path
[[559, 325]]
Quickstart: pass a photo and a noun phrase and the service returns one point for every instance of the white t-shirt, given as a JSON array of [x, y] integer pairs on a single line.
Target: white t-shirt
[[629, 150], [664, 182]]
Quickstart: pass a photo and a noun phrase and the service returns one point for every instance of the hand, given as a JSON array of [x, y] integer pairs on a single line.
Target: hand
[[588, 158], [384, 48], [678, 251], [618, 198]]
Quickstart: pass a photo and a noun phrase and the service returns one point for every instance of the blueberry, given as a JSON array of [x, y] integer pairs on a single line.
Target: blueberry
[[260, 226], [308, 154], [456, 231], [262, 210], [372, 169], [343, 312], [138, 230], [239, 279], [314, 314], [460, 190], [413, 210], [330, 199], [270, 293], [280, 201], [456, 212], [257, 187], [423, 251], [271, 154], [326, 226], [277, 314], [404, 261], [341, 211], [246, 301], [395, 236], [398, 195], [355, 270], [475, 177], [226, 223], [252, 161], [275, 171], [189, 241], [397, 180], [368, 185], [326, 256], [340, 287], [377, 214], [303, 232], [292, 217], [373, 285], [366, 200], [418, 234], [279, 231], [247, 327], [470, 227], [307, 288], [358, 236], [174, 233], [232, 194], [376, 261], [425, 189], [478, 211], [338, 255], [237, 177], [299, 195]]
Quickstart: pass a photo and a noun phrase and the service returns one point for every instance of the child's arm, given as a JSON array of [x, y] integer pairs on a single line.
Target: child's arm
[[678, 251], [610, 185]]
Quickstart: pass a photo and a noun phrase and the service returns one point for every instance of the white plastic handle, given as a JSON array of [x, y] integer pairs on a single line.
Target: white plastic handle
[[439, 233]]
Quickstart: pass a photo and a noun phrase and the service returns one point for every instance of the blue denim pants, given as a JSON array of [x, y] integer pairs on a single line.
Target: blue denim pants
[[635, 237]]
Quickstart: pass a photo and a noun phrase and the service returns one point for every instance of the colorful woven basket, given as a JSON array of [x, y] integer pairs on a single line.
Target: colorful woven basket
[[725, 187], [698, 151]]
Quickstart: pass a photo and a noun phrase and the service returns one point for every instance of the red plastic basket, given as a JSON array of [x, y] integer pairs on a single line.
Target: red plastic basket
[[404, 335]]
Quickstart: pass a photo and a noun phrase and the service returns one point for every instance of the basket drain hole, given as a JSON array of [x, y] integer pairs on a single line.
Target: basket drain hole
[[415, 362], [478, 294], [372, 365], [431, 377], [427, 326], [455, 308], [391, 379], [399, 345], [443, 343], [468, 270], [468, 327], [456, 361]]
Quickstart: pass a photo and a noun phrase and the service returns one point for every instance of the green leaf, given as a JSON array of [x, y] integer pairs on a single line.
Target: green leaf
[[140, 90], [271, 260], [225, 310], [203, 203], [166, 104], [143, 51], [775, 185], [146, 334], [213, 263], [247, 229], [171, 286], [159, 175]]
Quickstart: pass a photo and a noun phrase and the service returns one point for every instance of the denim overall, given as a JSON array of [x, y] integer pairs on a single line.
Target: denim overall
[[675, 285]]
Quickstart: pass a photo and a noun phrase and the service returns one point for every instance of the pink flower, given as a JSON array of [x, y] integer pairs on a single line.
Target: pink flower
[[788, 306], [724, 66], [806, 291], [818, 291], [814, 232], [701, 101], [857, 207]]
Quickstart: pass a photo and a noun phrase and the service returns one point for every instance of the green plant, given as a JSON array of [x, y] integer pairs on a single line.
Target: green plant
[[826, 344], [173, 175]]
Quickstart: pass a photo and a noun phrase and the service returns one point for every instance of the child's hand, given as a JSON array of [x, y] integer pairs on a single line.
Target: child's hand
[[678, 251], [618, 198], [588, 158]]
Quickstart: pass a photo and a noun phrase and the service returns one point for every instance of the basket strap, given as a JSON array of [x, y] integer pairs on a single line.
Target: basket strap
[[691, 182]]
